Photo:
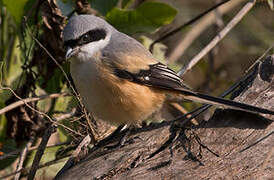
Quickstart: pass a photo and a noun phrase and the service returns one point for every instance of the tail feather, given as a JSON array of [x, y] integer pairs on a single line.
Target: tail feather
[[206, 99]]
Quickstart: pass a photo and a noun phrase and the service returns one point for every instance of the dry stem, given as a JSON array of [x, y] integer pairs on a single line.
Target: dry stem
[[248, 6]]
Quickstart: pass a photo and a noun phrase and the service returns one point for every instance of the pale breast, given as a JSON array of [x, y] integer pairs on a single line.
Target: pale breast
[[112, 99]]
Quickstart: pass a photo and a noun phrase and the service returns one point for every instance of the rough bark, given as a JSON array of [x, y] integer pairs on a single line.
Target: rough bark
[[243, 142]]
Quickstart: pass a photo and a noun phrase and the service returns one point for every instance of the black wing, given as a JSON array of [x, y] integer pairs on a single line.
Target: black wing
[[160, 76]]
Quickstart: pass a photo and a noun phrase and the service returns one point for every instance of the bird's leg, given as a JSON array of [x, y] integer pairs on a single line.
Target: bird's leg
[[125, 134], [111, 136]]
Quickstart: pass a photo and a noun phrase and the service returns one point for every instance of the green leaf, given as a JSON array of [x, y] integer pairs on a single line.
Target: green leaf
[[103, 6], [13, 66], [270, 3], [16, 8], [146, 18]]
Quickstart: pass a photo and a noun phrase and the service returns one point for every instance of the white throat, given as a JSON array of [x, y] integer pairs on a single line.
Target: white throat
[[88, 51]]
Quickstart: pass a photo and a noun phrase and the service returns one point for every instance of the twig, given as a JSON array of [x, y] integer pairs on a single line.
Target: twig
[[59, 66], [257, 141], [197, 29], [29, 106], [66, 76], [219, 36], [259, 59], [40, 151], [14, 153], [11, 154], [183, 111], [23, 157], [53, 120], [84, 143], [203, 108], [28, 100], [66, 115], [39, 167], [187, 23]]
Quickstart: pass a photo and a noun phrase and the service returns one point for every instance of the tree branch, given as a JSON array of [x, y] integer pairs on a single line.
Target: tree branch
[[197, 29], [40, 151], [218, 37], [28, 100], [22, 158], [187, 23]]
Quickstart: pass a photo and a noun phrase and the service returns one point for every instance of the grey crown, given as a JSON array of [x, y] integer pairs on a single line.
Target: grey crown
[[78, 25], [119, 43]]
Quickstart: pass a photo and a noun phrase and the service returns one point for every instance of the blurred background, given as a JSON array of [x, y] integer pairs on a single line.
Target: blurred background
[[32, 64]]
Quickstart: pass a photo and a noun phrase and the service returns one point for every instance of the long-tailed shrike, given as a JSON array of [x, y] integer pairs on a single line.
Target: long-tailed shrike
[[118, 79]]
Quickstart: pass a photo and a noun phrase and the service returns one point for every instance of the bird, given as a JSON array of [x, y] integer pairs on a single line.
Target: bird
[[119, 80]]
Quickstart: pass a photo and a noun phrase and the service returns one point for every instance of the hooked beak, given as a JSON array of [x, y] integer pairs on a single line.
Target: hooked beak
[[71, 52]]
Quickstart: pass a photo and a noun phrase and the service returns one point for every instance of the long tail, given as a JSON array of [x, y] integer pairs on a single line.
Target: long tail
[[206, 99]]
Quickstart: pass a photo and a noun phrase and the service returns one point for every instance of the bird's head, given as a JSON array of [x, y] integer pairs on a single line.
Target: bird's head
[[85, 35]]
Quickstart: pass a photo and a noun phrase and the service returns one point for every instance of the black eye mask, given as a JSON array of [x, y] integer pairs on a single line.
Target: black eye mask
[[90, 36]]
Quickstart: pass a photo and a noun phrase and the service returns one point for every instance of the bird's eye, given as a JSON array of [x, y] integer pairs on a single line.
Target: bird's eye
[[91, 36], [85, 38]]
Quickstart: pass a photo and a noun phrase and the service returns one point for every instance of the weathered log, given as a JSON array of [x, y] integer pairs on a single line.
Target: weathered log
[[232, 144]]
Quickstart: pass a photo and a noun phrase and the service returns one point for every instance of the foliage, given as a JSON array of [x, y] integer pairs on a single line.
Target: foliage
[[103, 6], [146, 18], [17, 11], [27, 77], [22, 71]]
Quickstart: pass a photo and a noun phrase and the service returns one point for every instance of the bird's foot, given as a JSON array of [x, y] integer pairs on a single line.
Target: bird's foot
[[125, 132]]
